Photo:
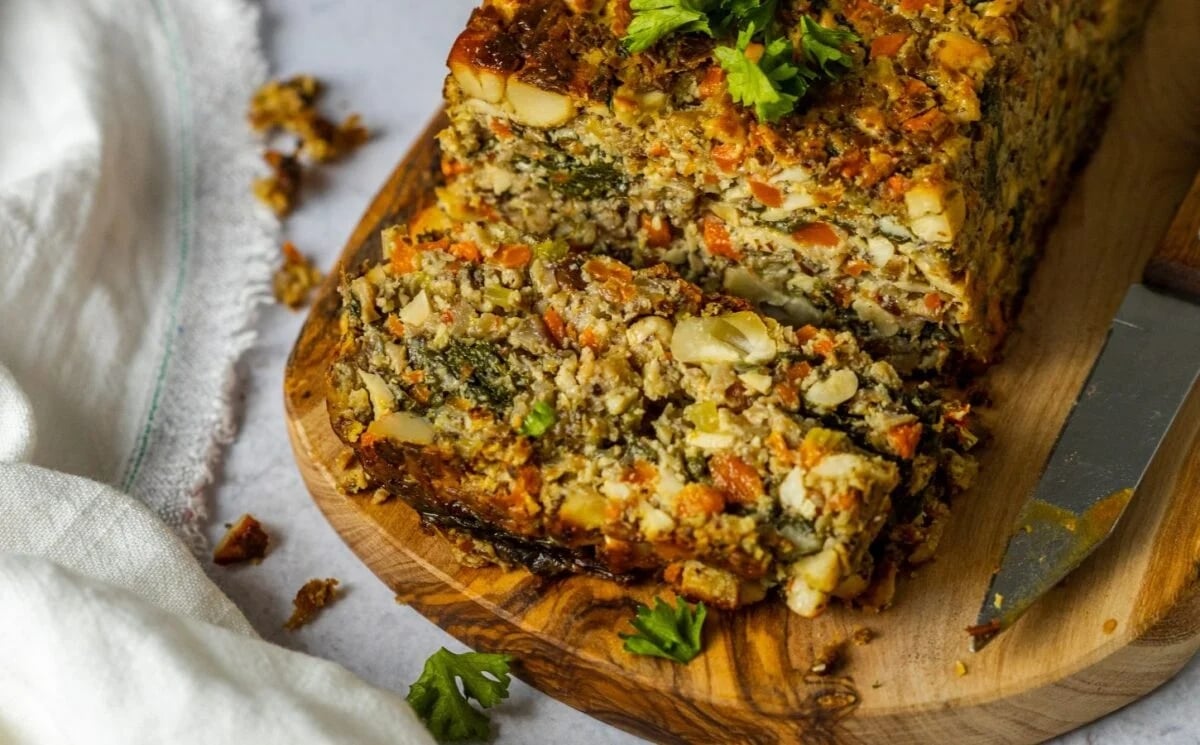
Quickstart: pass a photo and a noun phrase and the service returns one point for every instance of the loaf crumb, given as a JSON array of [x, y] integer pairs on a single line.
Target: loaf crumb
[[960, 668], [245, 540], [862, 636], [295, 278], [281, 189], [309, 600]]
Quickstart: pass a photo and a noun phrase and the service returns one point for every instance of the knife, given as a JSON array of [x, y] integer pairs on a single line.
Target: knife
[[1147, 369]]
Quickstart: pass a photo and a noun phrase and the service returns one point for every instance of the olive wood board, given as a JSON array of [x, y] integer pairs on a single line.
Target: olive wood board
[[1121, 625]]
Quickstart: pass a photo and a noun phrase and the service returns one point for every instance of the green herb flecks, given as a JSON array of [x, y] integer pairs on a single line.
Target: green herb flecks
[[539, 420], [671, 633], [469, 368], [444, 707]]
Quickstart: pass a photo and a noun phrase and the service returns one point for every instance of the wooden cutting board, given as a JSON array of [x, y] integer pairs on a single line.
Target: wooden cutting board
[[1119, 627]]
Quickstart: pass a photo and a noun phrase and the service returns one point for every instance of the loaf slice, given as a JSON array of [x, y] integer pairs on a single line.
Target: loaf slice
[[904, 200], [551, 408]]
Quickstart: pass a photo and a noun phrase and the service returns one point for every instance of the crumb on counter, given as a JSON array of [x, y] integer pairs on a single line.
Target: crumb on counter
[[309, 600], [295, 278], [245, 540], [281, 189], [862, 636], [279, 104], [290, 105]]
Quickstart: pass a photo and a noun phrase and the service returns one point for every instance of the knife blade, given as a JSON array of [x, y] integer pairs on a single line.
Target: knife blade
[[1148, 368]]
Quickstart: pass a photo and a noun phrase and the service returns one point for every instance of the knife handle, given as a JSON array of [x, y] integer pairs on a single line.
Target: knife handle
[[1175, 266]]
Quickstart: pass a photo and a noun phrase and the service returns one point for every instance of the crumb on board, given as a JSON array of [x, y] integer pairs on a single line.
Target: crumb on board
[[323, 141], [998, 601], [829, 659], [1110, 625], [295, 278], [960, 668], [877, 684], [862, 636], [309, 600], [245, 540], [281, 189]]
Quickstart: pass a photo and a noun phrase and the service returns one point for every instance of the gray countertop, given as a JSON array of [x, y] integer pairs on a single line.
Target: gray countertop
[[384, 58]]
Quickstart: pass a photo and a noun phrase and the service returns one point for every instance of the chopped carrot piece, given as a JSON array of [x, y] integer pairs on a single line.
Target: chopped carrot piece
[[466, 250], [806, 332], [765, 193], [855, 267], [823, 346], [787, 395], [887, 45], [641, 473], [736, 478], [657, 229], [716, 239], [727, 156], [500, 128], [699, 500], [604, 270], [555, 326], [713, 82], [405, 257], [452, 168], [933, 302], [589, 339], [817, 234], [904, 439], [796, 373], [779, 447], [914, 6], [513, 256], [395, 326]]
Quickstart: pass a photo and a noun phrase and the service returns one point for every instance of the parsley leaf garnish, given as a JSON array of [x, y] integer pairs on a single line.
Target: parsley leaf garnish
[[772, 84], [444, 708], [654, 19], [670, 633], [763, 70], [539, 420], [823, 47]]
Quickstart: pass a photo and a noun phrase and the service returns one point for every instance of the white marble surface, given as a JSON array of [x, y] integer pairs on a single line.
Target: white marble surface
[[384, 58]]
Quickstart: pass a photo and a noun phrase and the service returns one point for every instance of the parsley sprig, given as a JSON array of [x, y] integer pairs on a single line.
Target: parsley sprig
[[670, 633], [763, 70], [444, 708]]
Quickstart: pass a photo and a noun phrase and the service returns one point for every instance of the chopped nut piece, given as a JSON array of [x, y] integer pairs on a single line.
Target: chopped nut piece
[[315, 595], [244, 541], [960, 668], [862, 636], [280, 190], [295, 278]]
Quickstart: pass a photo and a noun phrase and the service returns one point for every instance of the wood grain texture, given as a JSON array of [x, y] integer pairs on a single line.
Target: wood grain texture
[[1176, 264], [1063, 665]]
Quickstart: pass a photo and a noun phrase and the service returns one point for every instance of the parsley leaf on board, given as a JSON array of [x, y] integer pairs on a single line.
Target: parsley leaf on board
[[823, 47], [444, 708], [670, 633], [654, 19]]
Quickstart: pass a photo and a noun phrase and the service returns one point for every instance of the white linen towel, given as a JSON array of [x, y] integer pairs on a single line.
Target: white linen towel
[[131, 259]]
